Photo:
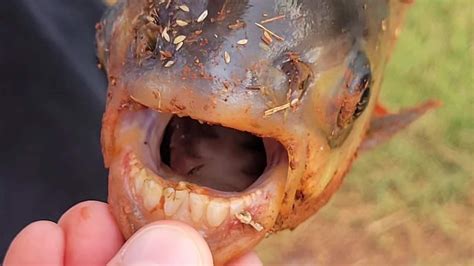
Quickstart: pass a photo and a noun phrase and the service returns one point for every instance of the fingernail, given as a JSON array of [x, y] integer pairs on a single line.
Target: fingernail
[[165, 244]]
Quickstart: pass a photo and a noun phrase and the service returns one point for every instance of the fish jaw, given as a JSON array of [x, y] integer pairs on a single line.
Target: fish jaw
[[303, 168], [140, 191]]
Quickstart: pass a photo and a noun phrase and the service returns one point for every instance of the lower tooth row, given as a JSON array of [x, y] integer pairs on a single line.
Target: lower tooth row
[[217, 211], [151, 192], [183, 205]]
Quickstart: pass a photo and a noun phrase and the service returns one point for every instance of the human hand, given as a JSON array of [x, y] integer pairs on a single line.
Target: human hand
[[88, 235]]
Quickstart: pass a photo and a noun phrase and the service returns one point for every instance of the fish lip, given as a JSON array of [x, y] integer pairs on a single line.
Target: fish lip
[[134, 162]]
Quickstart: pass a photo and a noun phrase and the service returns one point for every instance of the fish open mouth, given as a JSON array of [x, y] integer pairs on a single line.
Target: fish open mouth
[[218, 179], [214, 156]]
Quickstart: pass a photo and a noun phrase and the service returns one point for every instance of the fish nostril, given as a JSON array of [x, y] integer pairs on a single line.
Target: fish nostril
[[299, 76]]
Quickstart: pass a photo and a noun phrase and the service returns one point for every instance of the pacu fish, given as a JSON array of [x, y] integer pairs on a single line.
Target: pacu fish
[[241, 117]]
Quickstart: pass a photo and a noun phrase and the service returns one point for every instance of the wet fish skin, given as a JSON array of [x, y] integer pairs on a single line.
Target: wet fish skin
[[326, 56]]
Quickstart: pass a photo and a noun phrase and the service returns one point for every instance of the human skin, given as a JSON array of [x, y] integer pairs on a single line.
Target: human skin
[[87, 234]]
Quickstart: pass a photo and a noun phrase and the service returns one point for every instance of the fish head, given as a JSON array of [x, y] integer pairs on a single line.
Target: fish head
[[237, 117]]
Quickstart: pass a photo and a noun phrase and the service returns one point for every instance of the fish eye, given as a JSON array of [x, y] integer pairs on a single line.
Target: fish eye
[[354, 97], [356, 91], [364, 99]]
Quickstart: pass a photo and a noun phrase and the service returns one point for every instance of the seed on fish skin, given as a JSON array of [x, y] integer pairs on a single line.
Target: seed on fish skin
[[179, 39], [217, 211], [278, 37], [165, 35], [226, 57], [151, 193], [184, 8], [179, 46], [198, 204], [181, 23], [266, 38], [243, 42], [384, 25], [202, 17], [169, 64], [397, 32]]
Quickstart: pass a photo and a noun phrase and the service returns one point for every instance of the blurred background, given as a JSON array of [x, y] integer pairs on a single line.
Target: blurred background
[[411, 201]]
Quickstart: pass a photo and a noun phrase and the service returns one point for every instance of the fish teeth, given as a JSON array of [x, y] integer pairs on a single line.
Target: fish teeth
[[217, 211], [170, 207], [237, 205], [197, 204], [139, 177], [183, 204], [151, 193], [173, 200], [247, 200]]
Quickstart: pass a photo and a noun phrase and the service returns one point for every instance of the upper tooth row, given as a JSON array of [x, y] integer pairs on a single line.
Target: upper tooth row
[[184, 205]]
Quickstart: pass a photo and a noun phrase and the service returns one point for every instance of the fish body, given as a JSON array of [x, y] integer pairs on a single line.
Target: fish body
[[240, 117]]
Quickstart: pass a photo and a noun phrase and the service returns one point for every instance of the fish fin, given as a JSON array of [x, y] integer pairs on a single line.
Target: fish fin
[[380, 110], [383, 127]]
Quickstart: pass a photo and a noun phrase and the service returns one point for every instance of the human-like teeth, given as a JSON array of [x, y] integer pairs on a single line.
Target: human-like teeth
[[237, 205], [151, 193], [198, 204], [217, 211], [247, 200], [173, 200], [140, 177]]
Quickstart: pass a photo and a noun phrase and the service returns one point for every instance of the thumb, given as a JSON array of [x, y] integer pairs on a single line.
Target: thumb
[[164, 243]]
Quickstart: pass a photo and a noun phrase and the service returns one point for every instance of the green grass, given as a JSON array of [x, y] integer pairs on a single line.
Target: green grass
[[410, 201], [431, 164]]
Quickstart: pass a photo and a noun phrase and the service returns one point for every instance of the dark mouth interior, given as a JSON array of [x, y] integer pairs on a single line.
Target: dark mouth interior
[[213, 156]]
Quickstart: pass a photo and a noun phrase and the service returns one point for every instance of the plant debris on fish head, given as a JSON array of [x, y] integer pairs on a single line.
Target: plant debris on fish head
[[238, 117]]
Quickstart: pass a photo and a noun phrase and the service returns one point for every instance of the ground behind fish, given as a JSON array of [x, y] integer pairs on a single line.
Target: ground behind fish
[[411, 201]]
